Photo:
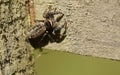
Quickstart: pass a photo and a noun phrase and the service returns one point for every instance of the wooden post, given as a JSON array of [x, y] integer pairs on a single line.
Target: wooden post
[[32, 12], [16, 55]]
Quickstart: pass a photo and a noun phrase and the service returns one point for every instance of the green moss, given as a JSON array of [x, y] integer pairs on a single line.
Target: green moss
[[51, 62]]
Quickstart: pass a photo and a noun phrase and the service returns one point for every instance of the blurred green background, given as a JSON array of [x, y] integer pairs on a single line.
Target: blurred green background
[[51, 62]]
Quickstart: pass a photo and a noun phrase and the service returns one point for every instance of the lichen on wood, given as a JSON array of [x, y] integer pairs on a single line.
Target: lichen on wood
[[15, 54]]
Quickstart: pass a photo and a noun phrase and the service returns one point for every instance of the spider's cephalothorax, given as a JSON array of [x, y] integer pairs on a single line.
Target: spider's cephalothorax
[[48, 27]]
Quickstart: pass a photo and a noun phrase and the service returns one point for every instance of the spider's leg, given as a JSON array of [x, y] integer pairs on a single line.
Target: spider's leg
[[64, 26], [51, 38], [61, 36], [54, 9], [44, 36], [58, 28], [59, 17]]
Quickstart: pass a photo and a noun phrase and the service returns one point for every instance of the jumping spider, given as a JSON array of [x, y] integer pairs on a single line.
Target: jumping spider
[[51, 23], [48, 30]]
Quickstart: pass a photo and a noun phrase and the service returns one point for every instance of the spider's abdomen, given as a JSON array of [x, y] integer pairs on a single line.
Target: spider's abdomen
[[36, 31]]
